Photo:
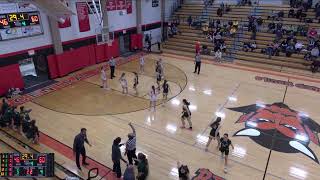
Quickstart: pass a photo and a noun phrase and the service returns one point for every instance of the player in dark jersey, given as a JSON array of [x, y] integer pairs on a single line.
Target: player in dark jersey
[[214, 133], [166, 89], [135, 82], [224, 144], [186, 114]]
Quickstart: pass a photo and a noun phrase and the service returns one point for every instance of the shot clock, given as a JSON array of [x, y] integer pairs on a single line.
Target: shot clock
[[26, 165]]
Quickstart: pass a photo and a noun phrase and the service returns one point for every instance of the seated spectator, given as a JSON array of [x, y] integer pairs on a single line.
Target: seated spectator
[[205, 49], [307, 56], [183, 171], [291, 13], [33, 132], [284, 46], [16, 119], [143, 167], [219, 12], [218, 55], [269, 50], [271, 27], [246, 46], [189, 21], [314, 53], [298, 46], [302, 30], [276, 49], [4, 106], [315, 66], [289, 50], [253, 46], [312, 33], [223, 47], [205, 29], [280, 14], [259, 22], [278, 33]]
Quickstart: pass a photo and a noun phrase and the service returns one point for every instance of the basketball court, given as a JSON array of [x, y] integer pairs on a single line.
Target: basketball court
[[219, 88]]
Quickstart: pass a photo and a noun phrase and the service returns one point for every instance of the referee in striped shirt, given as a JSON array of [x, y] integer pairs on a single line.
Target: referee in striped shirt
[[131, 145]]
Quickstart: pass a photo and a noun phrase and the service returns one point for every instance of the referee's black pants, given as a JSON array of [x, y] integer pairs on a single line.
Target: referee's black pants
[[112, 71], [81, 151], [131, 154], [197, 67]]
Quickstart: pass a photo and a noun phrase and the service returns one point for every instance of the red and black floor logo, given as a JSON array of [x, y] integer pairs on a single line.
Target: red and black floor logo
[[206, 174], [277, 127]]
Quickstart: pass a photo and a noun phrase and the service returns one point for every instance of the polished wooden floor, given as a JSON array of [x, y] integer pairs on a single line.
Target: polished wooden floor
[[106, 115]]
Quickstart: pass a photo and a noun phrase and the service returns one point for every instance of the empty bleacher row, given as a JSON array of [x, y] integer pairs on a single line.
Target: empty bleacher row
[[184, 43]]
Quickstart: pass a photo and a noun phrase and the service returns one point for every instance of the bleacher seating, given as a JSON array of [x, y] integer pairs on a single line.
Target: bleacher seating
[[184, 43]]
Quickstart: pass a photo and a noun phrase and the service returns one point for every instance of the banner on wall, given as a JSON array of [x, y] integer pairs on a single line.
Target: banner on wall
[[155, 3], [111, 5], [83, 16], [129, 6], [67, 21], [121, 4]]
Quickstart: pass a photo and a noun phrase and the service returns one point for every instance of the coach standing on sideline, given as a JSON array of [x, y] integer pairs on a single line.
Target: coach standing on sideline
[[112, 64], [197, 63], [78, 147]]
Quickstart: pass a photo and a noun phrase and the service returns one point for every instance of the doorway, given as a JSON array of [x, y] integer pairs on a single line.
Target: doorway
[[124, 43]]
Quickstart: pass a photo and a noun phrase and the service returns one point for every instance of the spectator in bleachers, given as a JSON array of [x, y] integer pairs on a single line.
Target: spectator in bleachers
[[205, 29], [253, 46], [284, 45], [33, 132], [291, 13], [315, 66], [280, 15], [246, 46], [197, 46], [314, 53], [218, 55], [251, 20], [254, 32], [219, 12], [278, 33], [269, 50], [16, 119], [4, 106], [271, 27], [259, 23], [317, 10], [302, 30], [189, 21], [312, 33], [289, 50], [298, 46]]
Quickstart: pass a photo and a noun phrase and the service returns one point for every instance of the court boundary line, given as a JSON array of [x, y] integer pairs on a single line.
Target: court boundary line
[[246, 68]]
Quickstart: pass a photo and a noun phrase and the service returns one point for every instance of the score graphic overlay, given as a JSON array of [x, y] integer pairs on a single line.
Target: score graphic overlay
[[18, 22], [26, 165]]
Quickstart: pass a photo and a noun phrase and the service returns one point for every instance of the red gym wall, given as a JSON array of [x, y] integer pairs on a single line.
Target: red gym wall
[[10, 77]]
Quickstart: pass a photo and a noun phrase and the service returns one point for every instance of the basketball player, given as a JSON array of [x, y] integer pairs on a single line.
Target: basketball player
[[186, 114], [104, 78], [78, 147], [135, 82], [224, 144], [158, 77], [141, 63], [153, 98], [214, 133], [123, 83], [166, 89]]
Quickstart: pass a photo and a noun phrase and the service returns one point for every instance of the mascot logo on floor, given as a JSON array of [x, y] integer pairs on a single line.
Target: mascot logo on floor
[[277, 125], [205, 174]]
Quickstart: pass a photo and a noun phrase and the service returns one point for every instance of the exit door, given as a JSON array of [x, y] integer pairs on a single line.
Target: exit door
[[124, 43]]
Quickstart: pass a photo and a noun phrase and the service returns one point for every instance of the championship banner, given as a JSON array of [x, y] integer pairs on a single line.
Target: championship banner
[[83, 16], [121, 4], [129, 6], [111, 5]]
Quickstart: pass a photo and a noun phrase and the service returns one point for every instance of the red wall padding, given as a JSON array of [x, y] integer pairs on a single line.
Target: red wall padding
[[69, 61], [136, 41], [10, 77], [100, 53], [53, 68]]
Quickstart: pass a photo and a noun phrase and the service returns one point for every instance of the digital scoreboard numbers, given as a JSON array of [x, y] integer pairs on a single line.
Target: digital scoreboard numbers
[[26, 165], [13, 20]]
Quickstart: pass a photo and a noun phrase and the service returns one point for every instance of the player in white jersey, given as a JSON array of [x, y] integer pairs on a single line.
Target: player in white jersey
[[124, 83], [103, 76], [141, 62], [153, 98]]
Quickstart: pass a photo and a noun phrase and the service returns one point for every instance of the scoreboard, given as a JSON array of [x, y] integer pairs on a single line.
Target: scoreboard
[[18, 20], [26, 165], [13, 20]]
